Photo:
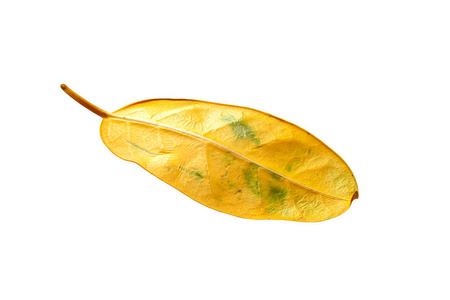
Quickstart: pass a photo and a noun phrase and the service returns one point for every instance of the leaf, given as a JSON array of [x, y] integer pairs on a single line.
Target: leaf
[[233, 159]]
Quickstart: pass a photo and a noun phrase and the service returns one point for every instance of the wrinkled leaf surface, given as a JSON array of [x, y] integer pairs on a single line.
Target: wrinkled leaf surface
[[232, 159]]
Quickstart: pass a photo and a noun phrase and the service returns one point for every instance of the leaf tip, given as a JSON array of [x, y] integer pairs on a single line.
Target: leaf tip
[[63, 86], [355, 196]]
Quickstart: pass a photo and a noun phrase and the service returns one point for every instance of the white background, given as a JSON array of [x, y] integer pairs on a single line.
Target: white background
[[369, 78]]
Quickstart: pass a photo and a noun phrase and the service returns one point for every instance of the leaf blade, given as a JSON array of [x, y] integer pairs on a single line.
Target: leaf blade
[[203, 124]]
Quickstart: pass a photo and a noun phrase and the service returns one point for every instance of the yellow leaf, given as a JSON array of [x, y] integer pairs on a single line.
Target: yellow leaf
[[233, 159]]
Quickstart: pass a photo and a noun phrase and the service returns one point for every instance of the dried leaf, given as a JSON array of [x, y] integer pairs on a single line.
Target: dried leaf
[[236, 160]]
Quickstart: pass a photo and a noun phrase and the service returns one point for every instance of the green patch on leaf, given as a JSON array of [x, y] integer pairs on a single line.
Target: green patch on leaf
[[229, 119], [252, 179], [271, 210], [277, 194], [140, 148], [241, 129], [276, 176], [293, 164], [194, 173], [289, 167], [229, 158]]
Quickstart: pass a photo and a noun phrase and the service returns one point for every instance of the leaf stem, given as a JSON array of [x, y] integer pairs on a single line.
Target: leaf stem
[[95, 109]]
